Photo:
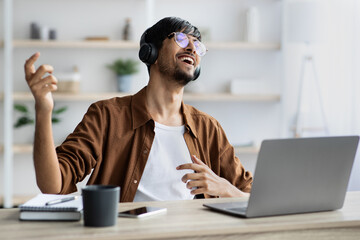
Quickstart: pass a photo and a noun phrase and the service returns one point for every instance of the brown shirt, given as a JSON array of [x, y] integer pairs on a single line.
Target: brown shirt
[[115, 137]]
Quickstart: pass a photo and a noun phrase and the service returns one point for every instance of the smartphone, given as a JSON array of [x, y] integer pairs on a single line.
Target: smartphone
[[142, 212]]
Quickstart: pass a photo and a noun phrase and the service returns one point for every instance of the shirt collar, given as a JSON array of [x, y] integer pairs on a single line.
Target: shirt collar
[[188, 118], [140, 114]]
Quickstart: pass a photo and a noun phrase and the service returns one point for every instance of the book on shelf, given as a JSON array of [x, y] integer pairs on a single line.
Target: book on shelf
[[52, 207]]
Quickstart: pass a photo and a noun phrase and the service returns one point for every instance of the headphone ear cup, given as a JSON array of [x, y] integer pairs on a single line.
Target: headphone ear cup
[[144, 52], [148, 53], [197, 73]]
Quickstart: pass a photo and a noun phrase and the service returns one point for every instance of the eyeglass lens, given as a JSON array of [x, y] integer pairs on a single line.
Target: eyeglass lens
[[183, 41]]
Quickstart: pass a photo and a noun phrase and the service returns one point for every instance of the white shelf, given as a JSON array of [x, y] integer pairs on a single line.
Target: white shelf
[[188, 97], [18, 199], [217, 97], [28, 148], [246, 150], [20, 148], [75, 44], [27, 96], [114, 44], [242, 45]]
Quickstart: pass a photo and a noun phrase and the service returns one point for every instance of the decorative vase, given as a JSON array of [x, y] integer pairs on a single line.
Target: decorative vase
[[124, 83], [252, 25]]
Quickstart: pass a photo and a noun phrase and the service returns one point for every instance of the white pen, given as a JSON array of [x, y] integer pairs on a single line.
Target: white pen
[[61, 200]]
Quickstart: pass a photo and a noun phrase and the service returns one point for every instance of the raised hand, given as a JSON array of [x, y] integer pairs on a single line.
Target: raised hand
[[47, 170], [40, 86]]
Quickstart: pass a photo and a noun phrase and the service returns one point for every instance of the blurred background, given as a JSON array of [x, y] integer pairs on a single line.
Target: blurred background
[[274, 69]]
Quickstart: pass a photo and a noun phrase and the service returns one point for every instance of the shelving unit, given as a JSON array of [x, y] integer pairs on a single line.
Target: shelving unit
[[75, 44], [19, 148], [243, 46], [16, 44], [135, 45], [188, 97]]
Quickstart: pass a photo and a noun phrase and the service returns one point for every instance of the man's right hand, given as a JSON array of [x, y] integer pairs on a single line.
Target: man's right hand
[[41, 87], [47, 170]]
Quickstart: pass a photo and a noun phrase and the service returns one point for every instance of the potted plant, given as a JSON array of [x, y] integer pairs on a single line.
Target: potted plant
[[25, 118], [124, 69]]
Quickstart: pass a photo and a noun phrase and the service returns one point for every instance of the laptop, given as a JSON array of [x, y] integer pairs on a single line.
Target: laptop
[[298, 175]]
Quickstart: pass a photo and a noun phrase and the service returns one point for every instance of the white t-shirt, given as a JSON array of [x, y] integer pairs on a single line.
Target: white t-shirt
[[160, 180]]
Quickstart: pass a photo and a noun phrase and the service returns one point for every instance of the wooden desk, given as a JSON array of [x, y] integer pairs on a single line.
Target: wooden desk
[[190, 220]]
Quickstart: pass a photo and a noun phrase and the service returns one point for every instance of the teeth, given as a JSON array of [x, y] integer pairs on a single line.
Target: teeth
[[187, 59]]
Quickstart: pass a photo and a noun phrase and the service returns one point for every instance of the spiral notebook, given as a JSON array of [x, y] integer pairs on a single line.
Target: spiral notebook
[[36, 208]]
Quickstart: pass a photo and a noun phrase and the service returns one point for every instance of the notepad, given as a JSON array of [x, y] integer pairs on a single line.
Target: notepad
[[36, 208], [38, 203]]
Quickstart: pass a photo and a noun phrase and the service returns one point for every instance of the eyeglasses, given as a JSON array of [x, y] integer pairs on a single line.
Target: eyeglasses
[[182, 40]]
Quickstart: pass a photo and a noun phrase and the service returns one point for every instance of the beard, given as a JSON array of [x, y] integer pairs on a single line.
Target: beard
[[180, 76]]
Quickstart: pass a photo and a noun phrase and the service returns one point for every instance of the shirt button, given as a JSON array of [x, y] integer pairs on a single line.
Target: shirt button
[[145, 151], [135, 181]]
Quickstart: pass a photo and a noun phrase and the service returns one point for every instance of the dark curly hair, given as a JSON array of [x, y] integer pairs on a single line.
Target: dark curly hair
[[158, 32]]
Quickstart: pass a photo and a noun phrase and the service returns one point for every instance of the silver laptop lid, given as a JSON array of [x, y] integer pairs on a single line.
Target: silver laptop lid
[[301, 175]]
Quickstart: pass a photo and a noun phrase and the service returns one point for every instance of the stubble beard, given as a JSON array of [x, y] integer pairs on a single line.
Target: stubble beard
[[178, 75]]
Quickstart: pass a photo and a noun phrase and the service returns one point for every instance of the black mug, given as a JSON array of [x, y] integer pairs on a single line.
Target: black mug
[[100, 205]]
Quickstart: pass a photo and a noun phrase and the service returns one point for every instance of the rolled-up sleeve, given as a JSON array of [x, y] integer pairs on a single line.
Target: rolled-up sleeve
[[80, 152]]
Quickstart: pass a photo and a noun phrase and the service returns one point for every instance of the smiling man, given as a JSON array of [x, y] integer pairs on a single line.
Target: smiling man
[[150, 144]]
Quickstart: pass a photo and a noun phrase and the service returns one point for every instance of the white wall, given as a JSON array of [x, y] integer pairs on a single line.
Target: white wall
[[107, 18], [337, 58], [355, 109], [337, 64], [77, 19]]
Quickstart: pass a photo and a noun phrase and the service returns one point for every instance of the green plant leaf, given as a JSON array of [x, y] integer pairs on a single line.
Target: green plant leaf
[[124, 67], [22, 121], [60, 110], [21, 108], [26, 119], [55, 120]]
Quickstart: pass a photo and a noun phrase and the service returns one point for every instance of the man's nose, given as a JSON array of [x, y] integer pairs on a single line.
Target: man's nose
[[191, 47]]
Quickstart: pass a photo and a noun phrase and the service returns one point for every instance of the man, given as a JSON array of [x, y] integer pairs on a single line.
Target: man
[[150, 144]]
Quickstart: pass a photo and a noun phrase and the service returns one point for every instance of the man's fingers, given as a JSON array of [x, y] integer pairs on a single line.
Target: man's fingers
[[197, 191], [43, 89], [47, 88], [196, 160], [192, 166], [40, 72], [50, 83], [29, 65], [50, 79], [196, 184], [197, 165], [192, 176], [46, 84]]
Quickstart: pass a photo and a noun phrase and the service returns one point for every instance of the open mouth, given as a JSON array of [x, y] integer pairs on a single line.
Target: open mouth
[[187, 60]]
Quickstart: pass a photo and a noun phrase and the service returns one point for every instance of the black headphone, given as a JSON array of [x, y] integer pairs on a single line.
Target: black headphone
[[148, 54]]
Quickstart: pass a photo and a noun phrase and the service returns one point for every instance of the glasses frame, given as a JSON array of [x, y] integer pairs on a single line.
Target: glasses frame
[[200, 45]]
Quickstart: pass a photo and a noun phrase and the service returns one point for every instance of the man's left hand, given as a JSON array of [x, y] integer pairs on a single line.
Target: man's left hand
[[205, 181]]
